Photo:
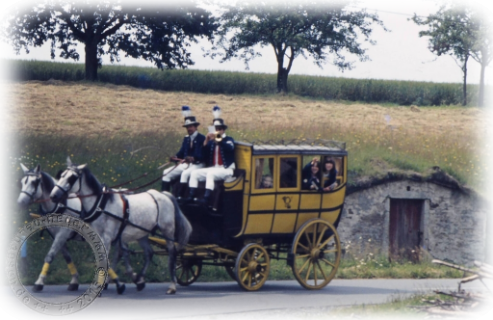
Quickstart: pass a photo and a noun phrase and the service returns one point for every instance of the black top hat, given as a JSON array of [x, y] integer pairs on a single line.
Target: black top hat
[[218, 122], [189, 119]]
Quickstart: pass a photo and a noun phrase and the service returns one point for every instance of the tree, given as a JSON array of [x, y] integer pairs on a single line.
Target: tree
[[461, 32], [292, 29], [159, 33], [449, 33]]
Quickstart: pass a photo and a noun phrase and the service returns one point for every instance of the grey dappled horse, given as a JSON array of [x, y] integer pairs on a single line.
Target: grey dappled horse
[[123, 219], [36, 185]]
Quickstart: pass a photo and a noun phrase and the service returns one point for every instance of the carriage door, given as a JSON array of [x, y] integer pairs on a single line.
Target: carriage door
[[405, 228]]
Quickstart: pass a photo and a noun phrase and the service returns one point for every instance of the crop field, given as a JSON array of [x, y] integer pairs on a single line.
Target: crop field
[[123, 132]]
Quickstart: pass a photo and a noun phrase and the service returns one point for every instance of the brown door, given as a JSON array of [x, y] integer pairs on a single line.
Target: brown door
[[405, 233]]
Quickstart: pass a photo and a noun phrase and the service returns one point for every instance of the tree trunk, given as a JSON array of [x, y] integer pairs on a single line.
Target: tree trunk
[[464, 87], [481, 87], [91, 61], [282, 80]]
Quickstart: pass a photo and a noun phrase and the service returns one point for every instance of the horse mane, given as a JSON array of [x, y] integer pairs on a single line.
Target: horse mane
[[47, 181], [92, 181]]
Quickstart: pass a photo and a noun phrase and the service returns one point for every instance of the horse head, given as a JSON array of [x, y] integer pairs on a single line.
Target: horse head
[[69, 182], [30, 186]]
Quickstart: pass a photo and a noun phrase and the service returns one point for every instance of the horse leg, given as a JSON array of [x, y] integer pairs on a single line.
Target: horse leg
[[120, 287], [74, 282], [58, 242], [171, 266], [148, 253]]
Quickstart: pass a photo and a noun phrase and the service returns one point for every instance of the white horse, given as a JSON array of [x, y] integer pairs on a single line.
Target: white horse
[[125, 218], [36, 185]]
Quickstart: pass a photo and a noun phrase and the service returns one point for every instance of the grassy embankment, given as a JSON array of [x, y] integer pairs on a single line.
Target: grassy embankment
[[122, 132]]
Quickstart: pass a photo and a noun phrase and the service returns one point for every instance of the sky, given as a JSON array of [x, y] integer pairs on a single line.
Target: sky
[[399, 54]]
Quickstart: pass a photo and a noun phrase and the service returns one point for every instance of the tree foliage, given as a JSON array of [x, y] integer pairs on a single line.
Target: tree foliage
[[157, 32], [462, 32], [294, 28]]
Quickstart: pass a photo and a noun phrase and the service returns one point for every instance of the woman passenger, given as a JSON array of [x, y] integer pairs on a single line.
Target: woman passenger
[[312, 177], [330, 174]]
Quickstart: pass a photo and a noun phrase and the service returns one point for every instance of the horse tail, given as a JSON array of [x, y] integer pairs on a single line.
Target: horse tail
[[183, 228]]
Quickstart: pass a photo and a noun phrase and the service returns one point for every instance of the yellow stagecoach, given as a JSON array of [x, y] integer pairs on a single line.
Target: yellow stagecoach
[[263, 213]]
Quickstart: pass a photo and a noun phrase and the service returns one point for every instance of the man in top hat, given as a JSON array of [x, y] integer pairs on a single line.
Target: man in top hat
[[219, 156], [190, 154]]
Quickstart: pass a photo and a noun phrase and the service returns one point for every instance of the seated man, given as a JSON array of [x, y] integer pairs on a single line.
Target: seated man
[[312, 176], [190, 155], [219, 151]]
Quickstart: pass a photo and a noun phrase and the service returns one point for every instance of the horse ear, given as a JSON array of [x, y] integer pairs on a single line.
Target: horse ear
[[82, 166], [37, 169], [24, 168], [69, 162]]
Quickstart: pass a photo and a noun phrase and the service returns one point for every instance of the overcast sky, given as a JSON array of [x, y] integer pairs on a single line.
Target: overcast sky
[[399, 54]]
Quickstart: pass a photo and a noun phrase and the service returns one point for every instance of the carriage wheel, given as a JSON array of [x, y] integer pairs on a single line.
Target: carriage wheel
[[316, 254], [187, 271], [252, 267], [230, 269]]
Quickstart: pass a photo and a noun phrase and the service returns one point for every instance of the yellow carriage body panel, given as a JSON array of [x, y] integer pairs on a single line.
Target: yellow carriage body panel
[[281, 207]]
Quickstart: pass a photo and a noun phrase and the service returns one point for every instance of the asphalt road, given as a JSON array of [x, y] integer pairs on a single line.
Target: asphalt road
[[226, 300]]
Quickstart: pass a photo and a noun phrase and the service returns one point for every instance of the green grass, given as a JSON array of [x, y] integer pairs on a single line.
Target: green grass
[[387, 92]]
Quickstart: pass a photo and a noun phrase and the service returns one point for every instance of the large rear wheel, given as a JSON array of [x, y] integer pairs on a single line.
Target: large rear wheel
[[252, 267], [316, 254]]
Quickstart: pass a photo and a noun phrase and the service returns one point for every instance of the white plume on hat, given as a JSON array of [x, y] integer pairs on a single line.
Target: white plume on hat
[[186, 111], [216, 112]]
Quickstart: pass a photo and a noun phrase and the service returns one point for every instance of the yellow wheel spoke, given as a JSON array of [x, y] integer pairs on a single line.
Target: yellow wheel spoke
[[308, 239], [314, 236], [260, 256], [330, 251], [326, 241], [303, 247], [243, 269], [302, 256], [308, 272], [322, 271], [250, 281], [303, 266], [321, 235], [263, 264], [315, 274], [244, 277], [329, 263]]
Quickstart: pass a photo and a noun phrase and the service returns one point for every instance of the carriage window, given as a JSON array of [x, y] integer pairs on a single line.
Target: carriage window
[[289, 173], [264, 173]]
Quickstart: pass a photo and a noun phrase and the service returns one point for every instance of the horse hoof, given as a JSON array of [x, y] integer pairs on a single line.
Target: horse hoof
[[141, 286], [120, 289], [105, 286], [73, 287], [38, 287], [171, 291]]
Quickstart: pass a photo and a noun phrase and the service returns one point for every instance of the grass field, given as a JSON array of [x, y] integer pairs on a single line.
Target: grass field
[[122, 132]]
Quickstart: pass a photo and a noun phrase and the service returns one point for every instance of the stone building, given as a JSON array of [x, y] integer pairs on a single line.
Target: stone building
[[405, 215]]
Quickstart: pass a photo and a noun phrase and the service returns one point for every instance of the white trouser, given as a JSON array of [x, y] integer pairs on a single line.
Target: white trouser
[[183, 169], [210, 175]]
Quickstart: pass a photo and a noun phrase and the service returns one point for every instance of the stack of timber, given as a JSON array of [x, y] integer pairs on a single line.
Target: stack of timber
[[460, 303]]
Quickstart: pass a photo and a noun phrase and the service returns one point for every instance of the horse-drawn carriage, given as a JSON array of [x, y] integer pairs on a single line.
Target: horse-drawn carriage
[[263, 213]]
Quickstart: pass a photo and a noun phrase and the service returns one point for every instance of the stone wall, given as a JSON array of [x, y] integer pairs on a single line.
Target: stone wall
[[453, 220]]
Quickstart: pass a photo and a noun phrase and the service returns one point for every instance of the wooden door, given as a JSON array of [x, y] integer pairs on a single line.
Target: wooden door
[[405, 228]]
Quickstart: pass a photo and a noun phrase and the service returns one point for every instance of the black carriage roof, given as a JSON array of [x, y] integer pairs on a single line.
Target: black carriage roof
[[303, 147]]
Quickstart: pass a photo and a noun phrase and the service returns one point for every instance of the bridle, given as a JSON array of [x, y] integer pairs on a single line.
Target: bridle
[[71, 181], [36, 186]]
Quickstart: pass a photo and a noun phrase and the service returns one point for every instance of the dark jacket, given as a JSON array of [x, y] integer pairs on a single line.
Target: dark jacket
[[227, 148], [308, 180], [195, 151], [331, 178]]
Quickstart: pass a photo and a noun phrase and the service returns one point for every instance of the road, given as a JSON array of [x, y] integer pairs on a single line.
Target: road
[[225, 300]]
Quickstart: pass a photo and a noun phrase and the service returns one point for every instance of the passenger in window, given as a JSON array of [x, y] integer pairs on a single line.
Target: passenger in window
[[330, 174], [267, 182], [312, 177]]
